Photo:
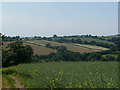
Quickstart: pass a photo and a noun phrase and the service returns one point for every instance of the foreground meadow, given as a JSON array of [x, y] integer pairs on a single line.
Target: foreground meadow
[[62, 75]]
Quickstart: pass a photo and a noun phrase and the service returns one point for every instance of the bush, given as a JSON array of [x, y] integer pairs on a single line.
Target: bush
[[16, 53]]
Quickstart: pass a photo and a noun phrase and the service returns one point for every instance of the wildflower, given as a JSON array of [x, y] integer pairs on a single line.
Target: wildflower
[[55, 87], [56, 79], [109, 84], [80, 86], [85, 83], [67, 87], [60, 73], [52, 81], [70, 86], [77, 85], [90, 73]]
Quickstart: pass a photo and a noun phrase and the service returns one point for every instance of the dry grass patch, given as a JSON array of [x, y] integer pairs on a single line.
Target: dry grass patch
[[40, 50]]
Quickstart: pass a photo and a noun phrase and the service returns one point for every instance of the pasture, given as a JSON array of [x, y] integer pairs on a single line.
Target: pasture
[[63, 75]]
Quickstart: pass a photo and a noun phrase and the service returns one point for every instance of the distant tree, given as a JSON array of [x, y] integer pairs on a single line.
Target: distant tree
[[78, 41], [72, 40], [85, 42], [47, 44], [108, 58], [118, 58], [92, 42], [49, 39], [62, 49], [89, 35], [94, 57], [44, 38], [54, 35]]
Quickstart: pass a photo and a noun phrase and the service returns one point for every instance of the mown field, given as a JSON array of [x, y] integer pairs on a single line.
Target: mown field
[[40, 50], [71, 47], [92, 47], [62, 75]]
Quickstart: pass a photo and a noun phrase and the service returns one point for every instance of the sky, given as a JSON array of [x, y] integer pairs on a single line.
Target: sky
[[61, 18]]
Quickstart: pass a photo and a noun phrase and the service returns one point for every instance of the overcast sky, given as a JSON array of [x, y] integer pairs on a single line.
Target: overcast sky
[[61, 18]]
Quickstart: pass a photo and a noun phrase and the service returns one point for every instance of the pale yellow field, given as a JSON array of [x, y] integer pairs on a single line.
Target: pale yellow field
[[91, 46]]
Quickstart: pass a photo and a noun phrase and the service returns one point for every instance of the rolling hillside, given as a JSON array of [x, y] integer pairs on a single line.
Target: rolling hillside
[[88, 39], [74, 48], [38, 50]]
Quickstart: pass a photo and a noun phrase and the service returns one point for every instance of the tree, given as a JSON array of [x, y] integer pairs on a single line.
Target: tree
[[47, 44], [16, 53], [62, 49], [54, 35], [72, 40], [118, 58], [93, 43], [94, 57], [78, 41]]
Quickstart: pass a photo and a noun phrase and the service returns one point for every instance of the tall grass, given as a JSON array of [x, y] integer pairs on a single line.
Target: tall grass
[[67, 74]]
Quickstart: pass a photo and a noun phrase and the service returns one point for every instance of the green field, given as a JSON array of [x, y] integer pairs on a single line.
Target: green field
[[63, 75]]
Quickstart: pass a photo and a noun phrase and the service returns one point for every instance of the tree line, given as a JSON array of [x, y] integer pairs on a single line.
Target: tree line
[[65, 55]]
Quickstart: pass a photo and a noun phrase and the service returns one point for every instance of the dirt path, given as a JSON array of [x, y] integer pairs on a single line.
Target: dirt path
[[17, 83]]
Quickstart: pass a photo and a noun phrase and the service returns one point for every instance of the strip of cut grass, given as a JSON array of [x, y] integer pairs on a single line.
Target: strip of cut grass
[[90, 46]]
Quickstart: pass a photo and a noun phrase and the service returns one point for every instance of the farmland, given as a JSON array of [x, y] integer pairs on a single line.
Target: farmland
[[40, 49], [71, 47], [93, 47], [63, 75], [88, 39]]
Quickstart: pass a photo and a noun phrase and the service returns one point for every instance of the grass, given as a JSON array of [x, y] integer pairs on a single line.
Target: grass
[[0, 80], [67, 74], [7, 82]]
